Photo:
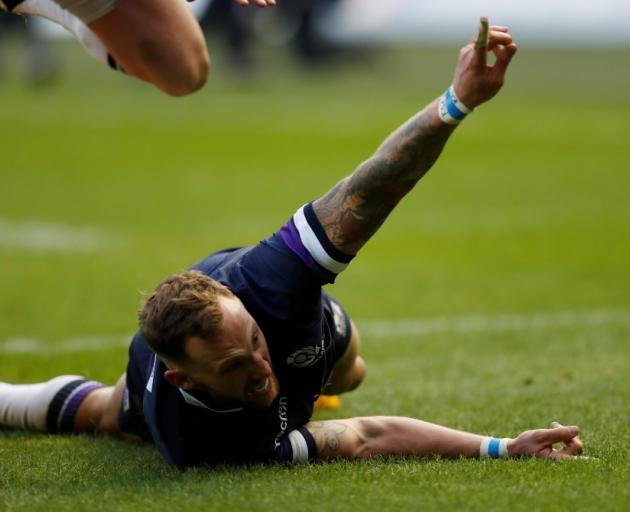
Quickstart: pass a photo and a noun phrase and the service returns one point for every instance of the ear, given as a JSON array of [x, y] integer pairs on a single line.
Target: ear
[[178, 378]]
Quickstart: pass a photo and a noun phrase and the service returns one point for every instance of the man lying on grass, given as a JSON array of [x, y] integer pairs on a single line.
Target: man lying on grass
[[231, 355]]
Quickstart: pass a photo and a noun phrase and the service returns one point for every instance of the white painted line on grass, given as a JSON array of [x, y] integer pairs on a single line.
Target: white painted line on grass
[[87, 344], [369, 329], [492, 323], [46, 237]]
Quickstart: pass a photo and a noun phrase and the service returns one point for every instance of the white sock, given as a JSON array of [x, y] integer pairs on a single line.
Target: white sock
[[54, 12], [46, 407]]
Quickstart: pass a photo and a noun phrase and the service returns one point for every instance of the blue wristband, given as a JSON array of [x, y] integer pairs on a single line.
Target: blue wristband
[[450, 108], [494, 448]]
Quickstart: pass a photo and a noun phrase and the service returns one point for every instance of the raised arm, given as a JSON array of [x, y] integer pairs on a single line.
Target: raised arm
[[362, 438], [357, 206]]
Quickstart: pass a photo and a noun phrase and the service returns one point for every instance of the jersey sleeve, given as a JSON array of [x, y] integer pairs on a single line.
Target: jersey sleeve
[[297, 446], [280, 279], [306, 238]]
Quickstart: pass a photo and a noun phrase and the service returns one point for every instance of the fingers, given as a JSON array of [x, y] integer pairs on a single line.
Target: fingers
[[259, 3], [493, 30], [504, 56], [497, 40], [572, 447], [540, 442], [558, 435], [482, 34], [481, 44]]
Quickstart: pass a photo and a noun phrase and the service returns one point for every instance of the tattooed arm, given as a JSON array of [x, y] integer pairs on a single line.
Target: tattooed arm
[[357, 206], [362, 438]]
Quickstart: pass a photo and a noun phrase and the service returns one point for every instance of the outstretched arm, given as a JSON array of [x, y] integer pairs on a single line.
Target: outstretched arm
[[356, 207], [362, 438]]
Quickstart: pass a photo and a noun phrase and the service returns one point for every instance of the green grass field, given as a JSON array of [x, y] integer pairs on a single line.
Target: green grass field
[[495, 299]]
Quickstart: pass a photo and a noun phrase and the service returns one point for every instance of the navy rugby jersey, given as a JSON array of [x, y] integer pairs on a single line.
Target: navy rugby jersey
[[279, 281]]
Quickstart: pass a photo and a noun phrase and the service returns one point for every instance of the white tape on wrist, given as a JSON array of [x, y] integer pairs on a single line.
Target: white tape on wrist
[[503, 447], [494, 448], [450, 108]]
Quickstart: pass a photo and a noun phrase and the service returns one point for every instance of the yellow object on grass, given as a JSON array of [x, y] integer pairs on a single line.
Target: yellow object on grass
[[327, 402]]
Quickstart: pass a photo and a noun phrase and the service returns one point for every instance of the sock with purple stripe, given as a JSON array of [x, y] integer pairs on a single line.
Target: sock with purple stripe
[[46, 407], [64, 406]]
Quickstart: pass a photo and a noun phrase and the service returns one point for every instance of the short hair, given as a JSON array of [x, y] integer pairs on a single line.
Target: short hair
[[182, 306]]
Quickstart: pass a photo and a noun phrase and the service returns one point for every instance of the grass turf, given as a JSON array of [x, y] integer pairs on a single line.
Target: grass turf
[[527, 213]]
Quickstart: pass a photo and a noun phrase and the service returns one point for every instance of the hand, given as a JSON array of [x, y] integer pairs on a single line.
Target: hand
[[540, 443], [258, 3], [475, 82]]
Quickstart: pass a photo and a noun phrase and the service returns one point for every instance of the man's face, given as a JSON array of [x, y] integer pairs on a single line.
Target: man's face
[[235, 365]]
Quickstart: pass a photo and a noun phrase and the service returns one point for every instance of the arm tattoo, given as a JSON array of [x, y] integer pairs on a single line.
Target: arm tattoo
[[357, 206], [329, 437]]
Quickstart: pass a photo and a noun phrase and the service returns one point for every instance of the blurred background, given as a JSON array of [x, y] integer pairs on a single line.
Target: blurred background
[[318, 30]]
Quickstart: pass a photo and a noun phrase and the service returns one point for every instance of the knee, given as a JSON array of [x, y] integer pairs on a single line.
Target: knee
[[190, 75], [196, 77], [357, 375]]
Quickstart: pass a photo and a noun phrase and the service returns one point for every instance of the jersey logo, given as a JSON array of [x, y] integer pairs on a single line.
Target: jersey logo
[[283, 415], [305, 357]]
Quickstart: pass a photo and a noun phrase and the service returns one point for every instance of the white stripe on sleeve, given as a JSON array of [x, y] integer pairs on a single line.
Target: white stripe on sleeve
[[299, 446], [313, 245]]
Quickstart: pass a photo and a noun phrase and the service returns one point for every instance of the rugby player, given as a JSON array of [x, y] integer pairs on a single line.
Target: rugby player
[[158, 41], [232, 354]]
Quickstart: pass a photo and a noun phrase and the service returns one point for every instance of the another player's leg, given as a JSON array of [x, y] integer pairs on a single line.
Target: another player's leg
[[158, 41], [53, 11]]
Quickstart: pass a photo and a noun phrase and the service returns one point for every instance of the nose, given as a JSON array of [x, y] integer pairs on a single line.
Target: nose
[[262, 367]]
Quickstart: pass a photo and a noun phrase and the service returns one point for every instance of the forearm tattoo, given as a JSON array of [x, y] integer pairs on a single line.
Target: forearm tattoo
[[357, 206], [329, 437]]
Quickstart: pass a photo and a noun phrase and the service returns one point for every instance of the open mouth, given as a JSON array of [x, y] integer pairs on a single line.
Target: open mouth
[[258, 387]]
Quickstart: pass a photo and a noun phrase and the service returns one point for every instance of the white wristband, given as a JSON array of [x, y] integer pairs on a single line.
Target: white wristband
[[494, 448], [450, 108], [503, 447]]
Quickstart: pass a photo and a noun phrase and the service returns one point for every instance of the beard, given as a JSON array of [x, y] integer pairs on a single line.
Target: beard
[[260, 402], [267, 399]]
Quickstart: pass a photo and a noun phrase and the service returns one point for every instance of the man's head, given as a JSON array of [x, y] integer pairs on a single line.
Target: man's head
[[208, 340]]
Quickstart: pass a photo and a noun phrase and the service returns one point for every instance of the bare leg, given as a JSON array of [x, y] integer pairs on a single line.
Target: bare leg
[[350, 370], [158, 41], [99, 410]]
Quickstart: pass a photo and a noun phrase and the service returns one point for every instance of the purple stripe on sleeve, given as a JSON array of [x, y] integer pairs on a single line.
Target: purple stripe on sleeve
[[318, 230], [291, 238]]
